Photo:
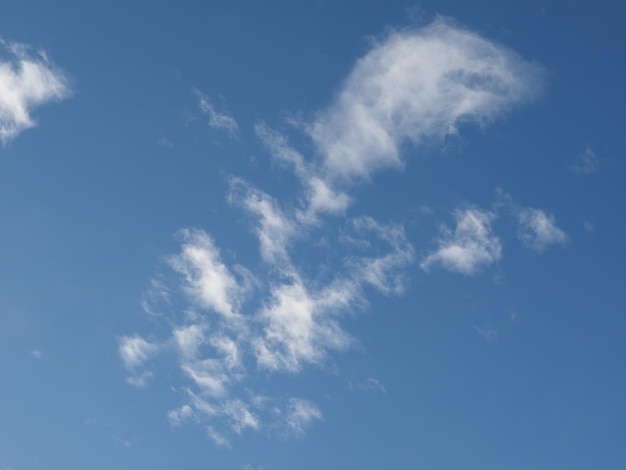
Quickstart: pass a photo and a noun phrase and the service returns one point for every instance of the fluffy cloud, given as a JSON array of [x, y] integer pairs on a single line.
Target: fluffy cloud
[[207, 280], [413, 86], [299, 327], [27, 80], [221, 342], [470, 247], [538, 230]]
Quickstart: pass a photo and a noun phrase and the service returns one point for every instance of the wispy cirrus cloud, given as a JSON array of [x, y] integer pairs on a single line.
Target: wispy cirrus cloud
[[471, 246], [384, 273], [320, 198], [299, 415], [217, 120], [586, 163], [135, 351], [231, 328], [36, 353], [538, 230], [274, 229], [27, 80], [487, 333]]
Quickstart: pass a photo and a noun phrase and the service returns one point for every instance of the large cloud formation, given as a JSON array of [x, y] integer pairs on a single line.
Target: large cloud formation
[[413, 86], [231, 327]]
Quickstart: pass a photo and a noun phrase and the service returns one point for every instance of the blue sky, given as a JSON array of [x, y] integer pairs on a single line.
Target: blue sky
[[274, 235]]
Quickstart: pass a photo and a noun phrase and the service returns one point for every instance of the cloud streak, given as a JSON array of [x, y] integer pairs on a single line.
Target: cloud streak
[[27, 80], [217, 120]]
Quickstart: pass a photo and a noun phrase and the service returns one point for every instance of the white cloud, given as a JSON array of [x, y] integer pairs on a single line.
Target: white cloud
[[208, 375], [36, 353], [157, 294], [376, 385], [140, 379], [416, 85], [274, 229], [217, 120], [299, 415], [207, 279], [165, 142], [538, 230], [320, 197], [412, 87], [587, 162], [371, 384], [470, 247], [211, 360], [295, 322], [385, 272], [27, 80], [217, 437], [240, 416], [134, 351], [279, 148], [189, 338], [487, 333], [299, 327], [180, 415], [128, 443]]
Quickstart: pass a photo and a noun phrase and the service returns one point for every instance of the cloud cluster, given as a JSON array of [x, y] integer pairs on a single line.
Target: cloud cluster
[[220, 341], [230, 326], [27, 80], [470, 247], [473, 244]]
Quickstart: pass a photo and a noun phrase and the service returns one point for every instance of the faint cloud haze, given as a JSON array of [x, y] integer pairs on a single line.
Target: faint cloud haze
[[586, 163]]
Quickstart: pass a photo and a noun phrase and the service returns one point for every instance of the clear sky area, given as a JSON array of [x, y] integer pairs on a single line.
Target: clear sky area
[[265, 235]]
